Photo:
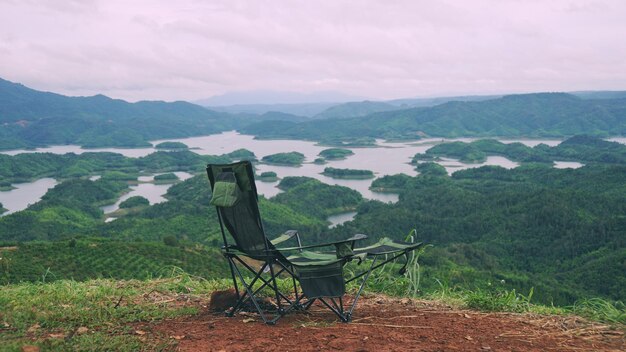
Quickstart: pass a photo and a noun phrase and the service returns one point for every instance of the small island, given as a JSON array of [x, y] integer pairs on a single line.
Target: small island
[[465, 152], [391, 183], [136, 201], [423, 157], [3, 209], [6, 186], [169, 177], [348, 173], [241, 154], [284, 159], [335, 153], [171, 146], [268, 176], [119, 176], [319, 161], [432, 169]]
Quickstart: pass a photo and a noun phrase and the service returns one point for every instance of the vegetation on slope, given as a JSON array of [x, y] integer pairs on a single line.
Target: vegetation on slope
[[312, 197], [30, 118], [531, 115], [88, 258], [582, 148], [534, 226], [135, 201]]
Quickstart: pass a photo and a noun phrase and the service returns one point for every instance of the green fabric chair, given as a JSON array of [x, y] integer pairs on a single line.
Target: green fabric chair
[[315, 275]]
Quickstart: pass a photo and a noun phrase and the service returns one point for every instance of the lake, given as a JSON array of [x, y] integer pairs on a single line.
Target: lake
[[339, 219], [152, 192], [388, 158], [25, 194]]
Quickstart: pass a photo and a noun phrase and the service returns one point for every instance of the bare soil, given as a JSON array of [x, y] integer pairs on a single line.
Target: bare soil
[[384, 324]]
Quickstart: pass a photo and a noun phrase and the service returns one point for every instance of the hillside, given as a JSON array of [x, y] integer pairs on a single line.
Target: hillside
[[170, 314], [530, 115], [355, 109], [30, 118]]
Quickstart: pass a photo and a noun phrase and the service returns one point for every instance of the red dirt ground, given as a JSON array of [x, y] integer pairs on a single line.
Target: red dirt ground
[[384, 324]]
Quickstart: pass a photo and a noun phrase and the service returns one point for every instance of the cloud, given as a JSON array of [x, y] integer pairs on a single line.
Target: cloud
[[381, 49]]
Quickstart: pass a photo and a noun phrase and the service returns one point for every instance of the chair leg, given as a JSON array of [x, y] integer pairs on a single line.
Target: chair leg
[[358, 294], [250, 292]]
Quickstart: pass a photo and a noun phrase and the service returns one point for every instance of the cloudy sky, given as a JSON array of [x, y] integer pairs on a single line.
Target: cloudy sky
[[384, 49]]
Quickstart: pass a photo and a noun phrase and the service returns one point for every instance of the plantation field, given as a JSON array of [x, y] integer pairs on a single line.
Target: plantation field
[[97, 258]]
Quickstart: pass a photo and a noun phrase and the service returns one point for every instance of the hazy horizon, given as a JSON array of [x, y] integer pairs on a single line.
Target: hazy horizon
[[192, 50]]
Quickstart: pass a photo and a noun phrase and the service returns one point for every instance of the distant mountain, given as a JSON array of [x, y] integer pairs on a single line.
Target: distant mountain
[[355, 109], [30, 118], [305, 109], [601, 94], [276, 97], [532, 115], [427, 102]]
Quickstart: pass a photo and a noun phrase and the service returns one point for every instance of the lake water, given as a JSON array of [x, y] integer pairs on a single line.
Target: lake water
[[152, 192], [567, 164], [25, 194], [339, 219], [388, 158]]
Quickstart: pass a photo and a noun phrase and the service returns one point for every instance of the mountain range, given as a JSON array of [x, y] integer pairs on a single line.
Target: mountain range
[[31, 118]]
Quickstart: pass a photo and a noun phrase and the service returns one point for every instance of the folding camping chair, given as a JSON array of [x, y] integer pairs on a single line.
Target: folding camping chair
[[319, 274]]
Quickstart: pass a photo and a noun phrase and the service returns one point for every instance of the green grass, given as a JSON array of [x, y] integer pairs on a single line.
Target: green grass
[[103, 310], [105, 314]]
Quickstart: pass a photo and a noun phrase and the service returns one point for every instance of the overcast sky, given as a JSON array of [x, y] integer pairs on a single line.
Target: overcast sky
[[188, 50]]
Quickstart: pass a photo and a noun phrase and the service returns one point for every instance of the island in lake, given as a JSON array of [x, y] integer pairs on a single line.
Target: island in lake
[[347, 173], [171, 146], [169, 177], [267, 176], [335, 153], [286, 159], [135, 201]]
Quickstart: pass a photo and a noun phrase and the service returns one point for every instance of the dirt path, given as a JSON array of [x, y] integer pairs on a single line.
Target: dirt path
[[382, 324]]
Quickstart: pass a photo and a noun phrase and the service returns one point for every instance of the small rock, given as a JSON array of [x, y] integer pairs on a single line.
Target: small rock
[[178, 337], [82, 330], [58, 335], [248, 320], [140, 332], [34, 328], [467, 316], [486, 348], [469, 338]]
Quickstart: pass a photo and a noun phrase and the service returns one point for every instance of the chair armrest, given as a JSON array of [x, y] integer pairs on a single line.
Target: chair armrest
[[339, 245], [289, 234]]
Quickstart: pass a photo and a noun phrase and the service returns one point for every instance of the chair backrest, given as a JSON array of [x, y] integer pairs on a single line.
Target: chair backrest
[[243, 219]]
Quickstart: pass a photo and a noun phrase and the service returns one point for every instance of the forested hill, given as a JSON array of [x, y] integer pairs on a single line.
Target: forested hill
[[530, 115], [32, 118]]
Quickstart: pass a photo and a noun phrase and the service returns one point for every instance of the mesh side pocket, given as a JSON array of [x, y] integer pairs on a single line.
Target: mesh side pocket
[[322, 281]]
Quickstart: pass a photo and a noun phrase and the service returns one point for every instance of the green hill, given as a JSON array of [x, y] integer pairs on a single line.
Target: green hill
[[30, 118], [560, 231], [530, 115], [354, 109]]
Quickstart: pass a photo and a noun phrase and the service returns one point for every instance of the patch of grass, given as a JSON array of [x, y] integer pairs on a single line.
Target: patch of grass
[[601, 310], [498, 301], [97, 314]]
